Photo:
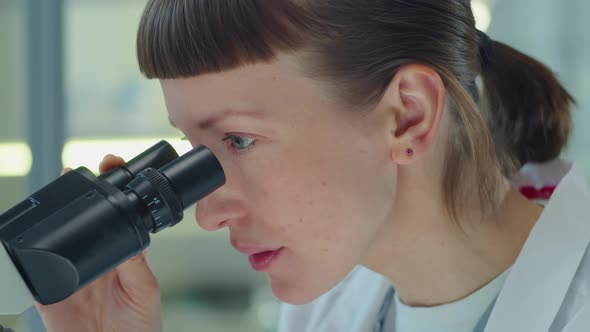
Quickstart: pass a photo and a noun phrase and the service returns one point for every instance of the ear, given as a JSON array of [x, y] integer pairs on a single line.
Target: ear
[[416, 100]]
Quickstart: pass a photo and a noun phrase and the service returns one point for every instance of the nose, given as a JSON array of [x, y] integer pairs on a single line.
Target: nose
[[217, 210]]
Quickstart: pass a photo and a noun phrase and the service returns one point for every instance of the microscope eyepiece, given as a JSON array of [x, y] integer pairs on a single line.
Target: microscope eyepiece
[[168, 191]]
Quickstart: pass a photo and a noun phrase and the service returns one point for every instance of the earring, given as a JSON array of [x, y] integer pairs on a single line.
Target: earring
[[410, 152]]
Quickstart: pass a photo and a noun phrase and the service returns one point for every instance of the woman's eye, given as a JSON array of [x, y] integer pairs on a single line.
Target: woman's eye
[[239, 143]]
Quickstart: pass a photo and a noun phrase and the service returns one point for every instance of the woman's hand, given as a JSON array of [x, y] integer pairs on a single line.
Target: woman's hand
[[126, 299]]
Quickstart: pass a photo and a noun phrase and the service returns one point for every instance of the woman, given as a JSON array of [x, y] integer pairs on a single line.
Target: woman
[[366, 176]]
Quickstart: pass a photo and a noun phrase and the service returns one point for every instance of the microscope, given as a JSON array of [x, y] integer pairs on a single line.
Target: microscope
[[81, 226]]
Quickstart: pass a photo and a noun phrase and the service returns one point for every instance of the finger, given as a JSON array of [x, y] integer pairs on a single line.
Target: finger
[[110, 161], [65, 170], [137, 278], [146, 256]]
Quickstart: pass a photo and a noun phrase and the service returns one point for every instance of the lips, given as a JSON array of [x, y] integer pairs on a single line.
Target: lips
[[260, 258], [263, 261]]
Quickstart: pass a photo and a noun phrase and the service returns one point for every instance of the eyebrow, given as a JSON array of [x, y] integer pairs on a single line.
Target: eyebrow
[[211, 121]]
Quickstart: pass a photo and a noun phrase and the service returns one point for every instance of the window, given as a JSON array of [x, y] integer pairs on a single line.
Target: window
[[15, 158]]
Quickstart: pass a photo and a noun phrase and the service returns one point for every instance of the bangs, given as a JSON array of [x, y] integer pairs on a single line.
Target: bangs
[[184, 38]]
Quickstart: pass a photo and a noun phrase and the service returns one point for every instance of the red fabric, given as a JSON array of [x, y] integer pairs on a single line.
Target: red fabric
[[531, 192]]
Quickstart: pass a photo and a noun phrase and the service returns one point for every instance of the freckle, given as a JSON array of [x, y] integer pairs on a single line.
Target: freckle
[[363, 151], [324, 183], [300, 220]]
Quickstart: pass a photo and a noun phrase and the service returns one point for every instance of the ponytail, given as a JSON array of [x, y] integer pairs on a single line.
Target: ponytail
[[528, 110]]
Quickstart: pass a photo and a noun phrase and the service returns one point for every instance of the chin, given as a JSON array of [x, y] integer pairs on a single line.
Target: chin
[[293, 296], [297, 293]]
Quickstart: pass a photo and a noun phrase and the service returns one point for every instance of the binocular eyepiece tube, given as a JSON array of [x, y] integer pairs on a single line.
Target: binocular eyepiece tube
[[81, 226]]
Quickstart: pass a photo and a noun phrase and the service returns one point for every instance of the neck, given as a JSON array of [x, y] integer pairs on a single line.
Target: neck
[[431, 260]]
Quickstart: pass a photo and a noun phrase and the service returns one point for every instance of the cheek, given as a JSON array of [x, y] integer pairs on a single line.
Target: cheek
[[325, 209], [324, 204]]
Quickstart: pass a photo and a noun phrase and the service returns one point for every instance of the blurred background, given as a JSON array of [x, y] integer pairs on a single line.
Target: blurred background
[[71, 92]]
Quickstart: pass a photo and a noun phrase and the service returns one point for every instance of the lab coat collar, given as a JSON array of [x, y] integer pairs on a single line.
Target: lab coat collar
[[541, 276]]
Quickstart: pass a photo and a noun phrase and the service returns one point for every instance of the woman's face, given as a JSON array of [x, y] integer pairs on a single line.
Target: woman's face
[[309, 185]]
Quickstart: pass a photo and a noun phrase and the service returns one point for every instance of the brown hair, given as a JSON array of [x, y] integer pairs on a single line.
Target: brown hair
[[356, 47], [528, 110]]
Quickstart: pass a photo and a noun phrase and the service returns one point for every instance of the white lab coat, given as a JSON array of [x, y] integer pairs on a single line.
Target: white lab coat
[[547, 289]]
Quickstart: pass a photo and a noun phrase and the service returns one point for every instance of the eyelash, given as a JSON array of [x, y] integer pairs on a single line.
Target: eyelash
[[235, 150]]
